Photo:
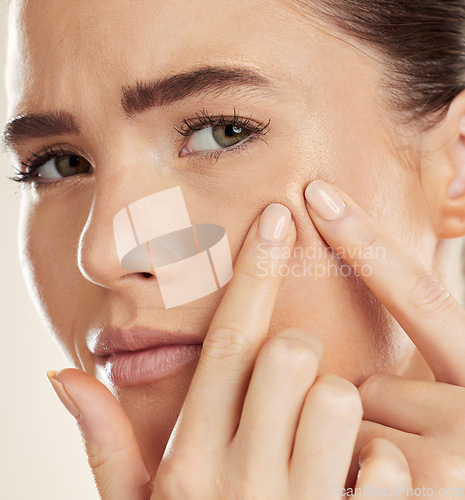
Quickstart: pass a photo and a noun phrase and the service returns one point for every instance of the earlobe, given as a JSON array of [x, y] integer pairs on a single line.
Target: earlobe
[[452, 223]]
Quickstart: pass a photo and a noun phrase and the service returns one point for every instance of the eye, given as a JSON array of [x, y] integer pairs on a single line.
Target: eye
[[214, 138], [63, 166]]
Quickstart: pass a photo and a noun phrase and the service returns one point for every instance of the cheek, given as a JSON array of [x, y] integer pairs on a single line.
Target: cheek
[[392, 194], [48, 238], [324, 298], [322, 295]]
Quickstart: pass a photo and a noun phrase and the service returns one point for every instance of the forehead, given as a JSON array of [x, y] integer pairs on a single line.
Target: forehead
[[76, 55], [56, 47]]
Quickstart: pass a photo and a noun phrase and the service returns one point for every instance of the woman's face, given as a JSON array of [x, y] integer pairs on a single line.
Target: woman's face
[[327, 118]]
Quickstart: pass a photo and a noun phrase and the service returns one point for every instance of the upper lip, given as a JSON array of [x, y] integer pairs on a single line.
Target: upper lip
[[111, 340]]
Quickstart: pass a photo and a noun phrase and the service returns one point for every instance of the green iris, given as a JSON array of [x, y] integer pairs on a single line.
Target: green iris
[[72, 165], [229, 135]]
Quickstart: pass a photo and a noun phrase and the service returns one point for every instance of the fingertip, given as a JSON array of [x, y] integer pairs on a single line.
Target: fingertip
[[60, 390], [275, 223], [324, 200], [384, 456]]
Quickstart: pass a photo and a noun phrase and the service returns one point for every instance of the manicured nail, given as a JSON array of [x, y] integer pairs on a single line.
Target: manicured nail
[[275, 222], [324, 200], [60, 391]]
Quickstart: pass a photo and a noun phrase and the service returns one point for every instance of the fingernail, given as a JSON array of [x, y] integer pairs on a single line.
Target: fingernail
[[274, 223], [60, 391], [324, 200]]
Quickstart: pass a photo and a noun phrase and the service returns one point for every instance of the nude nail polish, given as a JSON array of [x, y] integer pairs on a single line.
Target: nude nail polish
[[324, 200], [275, 222], [62, 394]]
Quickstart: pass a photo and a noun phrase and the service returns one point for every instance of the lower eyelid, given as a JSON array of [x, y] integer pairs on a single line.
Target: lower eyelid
[[215, 154]]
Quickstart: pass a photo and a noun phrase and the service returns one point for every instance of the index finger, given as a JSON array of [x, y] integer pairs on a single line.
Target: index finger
[[212, 407], [423, 307]]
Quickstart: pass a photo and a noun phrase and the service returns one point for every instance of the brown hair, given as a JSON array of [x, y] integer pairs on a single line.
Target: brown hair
[[422, 44]]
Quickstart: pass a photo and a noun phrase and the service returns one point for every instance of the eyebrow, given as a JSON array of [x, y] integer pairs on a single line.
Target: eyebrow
[[142, 96], [29, 126], [205, 80]]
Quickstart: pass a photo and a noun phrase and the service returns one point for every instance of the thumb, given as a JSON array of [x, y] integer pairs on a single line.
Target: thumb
[[112, 449]]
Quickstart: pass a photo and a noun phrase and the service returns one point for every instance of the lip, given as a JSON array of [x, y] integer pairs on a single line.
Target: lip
[[138, 355]]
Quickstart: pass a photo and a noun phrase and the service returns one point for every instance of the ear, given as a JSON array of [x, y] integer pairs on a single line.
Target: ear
[[443, 171]]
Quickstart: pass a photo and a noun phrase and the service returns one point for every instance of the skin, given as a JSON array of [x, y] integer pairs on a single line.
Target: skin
[[329, 120]]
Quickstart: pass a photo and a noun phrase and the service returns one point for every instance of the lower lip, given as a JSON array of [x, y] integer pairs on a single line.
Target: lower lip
[[139, 367]]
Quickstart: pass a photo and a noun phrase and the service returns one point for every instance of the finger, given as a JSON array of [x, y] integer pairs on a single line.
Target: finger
[[419, 302], [409, 444], [433, 462], [212, 407], [113, 451], [284, 371], [325, 437], [384, 469], [412, 406]]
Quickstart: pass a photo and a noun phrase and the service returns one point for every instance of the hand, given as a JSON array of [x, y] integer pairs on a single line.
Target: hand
[[257, 421], [425, 419]]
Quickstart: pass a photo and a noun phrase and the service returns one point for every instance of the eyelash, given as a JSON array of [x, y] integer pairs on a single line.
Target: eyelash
[[188, 127], [35, 161]]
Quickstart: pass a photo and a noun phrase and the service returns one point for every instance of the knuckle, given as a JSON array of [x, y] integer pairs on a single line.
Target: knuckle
[[288, 354], [98, 458], [256, 273], [365, 237], [171, 481], [427, 295], [337, 397], [226, 342], [103, 463]]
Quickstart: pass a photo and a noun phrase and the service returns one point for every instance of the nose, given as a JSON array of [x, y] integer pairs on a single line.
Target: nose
[[100, 250]]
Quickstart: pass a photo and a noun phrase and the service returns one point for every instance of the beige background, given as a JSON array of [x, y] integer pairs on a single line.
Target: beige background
[[41, 455]]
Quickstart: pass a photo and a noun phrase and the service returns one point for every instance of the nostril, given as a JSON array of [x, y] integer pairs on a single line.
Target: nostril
[[138, 275]]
